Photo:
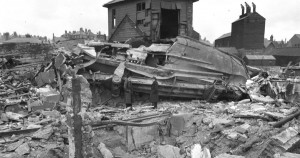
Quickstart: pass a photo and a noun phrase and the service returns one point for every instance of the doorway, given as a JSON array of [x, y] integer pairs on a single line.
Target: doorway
[[169, 23]]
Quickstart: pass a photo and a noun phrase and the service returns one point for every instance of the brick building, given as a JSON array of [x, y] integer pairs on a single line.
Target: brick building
[[86, 34], [151, 19], [294, 41], [247, 32]]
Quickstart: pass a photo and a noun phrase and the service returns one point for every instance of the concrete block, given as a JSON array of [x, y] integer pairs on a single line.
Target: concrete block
[[286, 135], [291, 143], [178, 124], [139, 136], [104, 151], [44, 133], [23, 149], [15, 145], [168, 151], [242, 128]]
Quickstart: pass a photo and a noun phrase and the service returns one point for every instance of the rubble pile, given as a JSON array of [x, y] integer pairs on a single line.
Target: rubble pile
[[235, 129], [53, 115]]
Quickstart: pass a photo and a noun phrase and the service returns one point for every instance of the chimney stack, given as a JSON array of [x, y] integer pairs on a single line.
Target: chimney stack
[[243, 9], [248, 8], [254, 7], [271, 38]]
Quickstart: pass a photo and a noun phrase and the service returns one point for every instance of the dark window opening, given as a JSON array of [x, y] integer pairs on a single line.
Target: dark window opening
[[147, 24], [155, 60], [169, 23], [140, 22], [113, 18], [140, 6]]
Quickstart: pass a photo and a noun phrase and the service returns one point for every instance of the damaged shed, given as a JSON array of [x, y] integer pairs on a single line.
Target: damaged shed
[[154, 20]]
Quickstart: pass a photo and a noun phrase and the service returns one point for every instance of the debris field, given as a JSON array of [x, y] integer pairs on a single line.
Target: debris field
[[73, 104]]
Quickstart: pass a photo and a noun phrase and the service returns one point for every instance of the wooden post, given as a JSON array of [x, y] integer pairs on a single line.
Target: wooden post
[[77, 120]]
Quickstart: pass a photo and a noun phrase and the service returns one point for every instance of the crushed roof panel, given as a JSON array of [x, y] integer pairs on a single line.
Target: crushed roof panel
[[260, 57]]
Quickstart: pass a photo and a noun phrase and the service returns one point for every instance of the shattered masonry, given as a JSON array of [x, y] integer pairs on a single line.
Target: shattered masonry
[[206, 109]]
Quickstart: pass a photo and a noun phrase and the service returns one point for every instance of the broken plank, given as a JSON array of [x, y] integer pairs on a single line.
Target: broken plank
[[17, 132], [251, 115], [286, 119]]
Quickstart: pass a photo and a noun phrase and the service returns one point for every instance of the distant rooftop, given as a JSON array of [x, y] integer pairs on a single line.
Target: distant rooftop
[[287, 51], [23, 40], [225, 35]]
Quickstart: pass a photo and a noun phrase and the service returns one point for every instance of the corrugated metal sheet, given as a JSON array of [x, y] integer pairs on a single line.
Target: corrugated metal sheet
[[192, 55]]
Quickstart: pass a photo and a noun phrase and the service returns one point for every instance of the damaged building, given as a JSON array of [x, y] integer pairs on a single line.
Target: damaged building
[[150, 19], [75, 104]]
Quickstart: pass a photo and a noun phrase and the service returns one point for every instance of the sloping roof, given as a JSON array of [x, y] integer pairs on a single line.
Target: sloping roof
[[297, 35], [112, 2], [118, 1], [225, 35], [260, 57], [23, 40], [287, 51], [266, 42], [249, 15]]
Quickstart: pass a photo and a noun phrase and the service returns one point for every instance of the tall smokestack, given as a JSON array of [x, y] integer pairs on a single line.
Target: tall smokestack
[[248, 8], [254, 7], [243, 9]]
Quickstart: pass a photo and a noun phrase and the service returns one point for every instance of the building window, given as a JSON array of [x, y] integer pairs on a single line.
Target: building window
[[140, 6], [140, 22], [113, 18]]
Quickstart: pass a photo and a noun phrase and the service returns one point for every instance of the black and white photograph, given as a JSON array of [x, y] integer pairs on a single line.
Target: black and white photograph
[[150, 79]]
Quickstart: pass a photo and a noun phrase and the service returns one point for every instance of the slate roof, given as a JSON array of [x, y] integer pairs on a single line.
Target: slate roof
[[246, 16], [118, 1], [260, 57], [266, 42], [225, 35], [23, 40], [112, 2]]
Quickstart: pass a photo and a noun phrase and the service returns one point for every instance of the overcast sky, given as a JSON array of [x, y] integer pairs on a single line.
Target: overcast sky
[[212, 18]]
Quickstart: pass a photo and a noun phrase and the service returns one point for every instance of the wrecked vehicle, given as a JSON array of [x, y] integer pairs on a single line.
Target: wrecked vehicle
[[186, 68]]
